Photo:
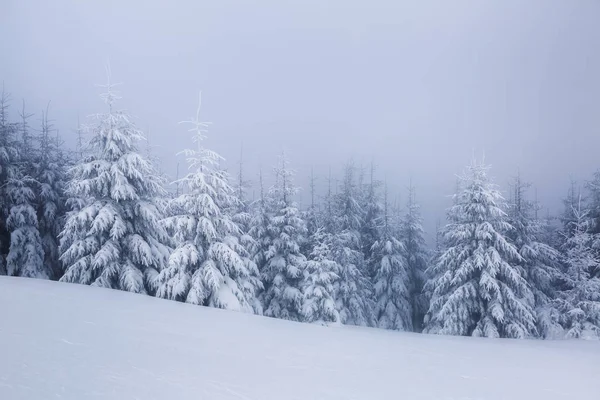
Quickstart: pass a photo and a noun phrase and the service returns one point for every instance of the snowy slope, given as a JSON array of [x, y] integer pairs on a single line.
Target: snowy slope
[[65, 341]]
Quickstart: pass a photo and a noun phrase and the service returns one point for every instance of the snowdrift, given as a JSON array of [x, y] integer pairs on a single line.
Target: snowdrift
[[65, 341]]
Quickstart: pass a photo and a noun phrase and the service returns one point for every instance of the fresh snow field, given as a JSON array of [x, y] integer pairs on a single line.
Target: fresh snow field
[[66, 341]]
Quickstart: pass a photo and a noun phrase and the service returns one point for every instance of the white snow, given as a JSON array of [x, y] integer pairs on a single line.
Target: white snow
[[67, 341]]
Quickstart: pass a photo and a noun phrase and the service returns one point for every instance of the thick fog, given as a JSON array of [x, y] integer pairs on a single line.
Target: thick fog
[[416, 86]]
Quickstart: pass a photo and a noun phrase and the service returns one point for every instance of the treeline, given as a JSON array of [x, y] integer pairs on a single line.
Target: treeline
[[101, 215]]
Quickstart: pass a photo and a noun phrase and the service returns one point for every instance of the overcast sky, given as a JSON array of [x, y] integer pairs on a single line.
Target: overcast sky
[[417, 85]]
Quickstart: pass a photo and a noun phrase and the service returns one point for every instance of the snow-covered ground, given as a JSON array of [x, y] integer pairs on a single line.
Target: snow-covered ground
[[65, 341]]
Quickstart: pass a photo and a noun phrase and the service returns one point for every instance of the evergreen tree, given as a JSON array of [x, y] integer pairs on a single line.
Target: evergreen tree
[[593, 214], [477, 289], [353, 289], [369, 232], [539, 262], [242, 216], [593, 217], [209, 264], [50, 177], [312, 215], [580, 302], [285, 266], [327, 216], [567, 218], [260, 215], [9, 172], [429, 285], [26, 254], [112, 236], [349, 215], [318, 290], [412, 236], [242, 205], [319, 304], [393, 303], [439, 241]]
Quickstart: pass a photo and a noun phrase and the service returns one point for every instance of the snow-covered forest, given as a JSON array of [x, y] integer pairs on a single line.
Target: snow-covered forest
[[105, 214]]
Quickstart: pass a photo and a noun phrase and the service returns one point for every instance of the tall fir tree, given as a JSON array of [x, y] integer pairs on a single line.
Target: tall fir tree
[[477, 289], [260, 216], [371, 221], [539, 262], [312, 215], [327, 217], [318, 293], [112, 236], [593, 203], [393, 291], [284, 270], [208, 265], [567, 217], [26, 254], [242, 204], [9, 172], [412, 236], [50, 177], [318, 290], [314, 224], [580, 301], [241, 212], [438, 250], [593, 217], [353, 289]]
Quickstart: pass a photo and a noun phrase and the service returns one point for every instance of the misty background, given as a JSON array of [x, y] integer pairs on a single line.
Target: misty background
[[416, 86]]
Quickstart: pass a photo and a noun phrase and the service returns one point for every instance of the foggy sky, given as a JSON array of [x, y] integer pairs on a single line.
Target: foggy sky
[[418, 86]]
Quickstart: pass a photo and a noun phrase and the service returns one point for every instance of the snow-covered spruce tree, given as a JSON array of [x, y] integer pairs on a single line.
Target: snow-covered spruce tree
[[477, 289], [313, 219], [163, 198], [9, 171], [567, 217], [112, 236], [285, 266], [327, 218], [372, 210], [353, 290], [412, 236], [439, 241], [319, 304], [50, 177], [26, 254], [349, 214], [539, 262], [593, 217], [208, 265], [260, 215], [438, 250], [240, 209], [243, 244], [312, 215], [393, 291], [580, 302], [593, 203], [242, 205]]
